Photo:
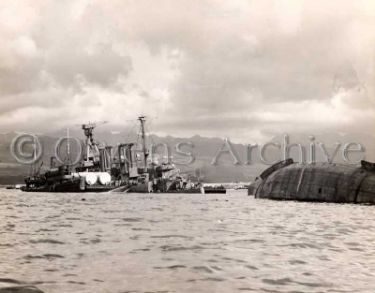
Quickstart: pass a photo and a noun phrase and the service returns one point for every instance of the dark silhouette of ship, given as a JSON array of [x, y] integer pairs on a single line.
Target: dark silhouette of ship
[[102, 169], [321, 182], [144, 176], [93, 173], [214, 189]]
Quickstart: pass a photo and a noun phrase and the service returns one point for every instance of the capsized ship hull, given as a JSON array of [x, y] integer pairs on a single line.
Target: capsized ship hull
[[320, 182]]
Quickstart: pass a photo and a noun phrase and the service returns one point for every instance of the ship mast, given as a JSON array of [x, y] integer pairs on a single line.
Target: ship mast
[[142, 120], [91, 145], [88, 130]]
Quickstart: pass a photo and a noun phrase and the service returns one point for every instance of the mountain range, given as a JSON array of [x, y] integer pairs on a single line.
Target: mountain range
[[212, 161]]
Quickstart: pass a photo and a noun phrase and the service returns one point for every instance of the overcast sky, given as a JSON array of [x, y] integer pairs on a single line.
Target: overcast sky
[[244, 69]]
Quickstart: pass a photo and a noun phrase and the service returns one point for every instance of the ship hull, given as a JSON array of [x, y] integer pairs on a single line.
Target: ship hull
[[163, 186], [215, 190], [69, 186], [319, 182], [144, 189]]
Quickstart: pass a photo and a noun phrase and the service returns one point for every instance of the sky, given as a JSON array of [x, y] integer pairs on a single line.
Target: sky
[[248, 70]]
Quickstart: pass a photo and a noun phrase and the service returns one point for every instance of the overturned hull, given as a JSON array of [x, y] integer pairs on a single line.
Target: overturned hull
[[317, 182]]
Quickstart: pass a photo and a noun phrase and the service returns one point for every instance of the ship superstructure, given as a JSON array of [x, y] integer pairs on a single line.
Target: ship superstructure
[[92, 174], [104, 168], [145, 175]]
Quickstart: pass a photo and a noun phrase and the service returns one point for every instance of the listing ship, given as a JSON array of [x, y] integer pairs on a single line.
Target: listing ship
[[143, 175], [104, 169]]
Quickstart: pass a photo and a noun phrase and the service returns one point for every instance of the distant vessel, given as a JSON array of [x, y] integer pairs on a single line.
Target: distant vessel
[[214, 189], [101, 171], [322, 182], [145, 176]]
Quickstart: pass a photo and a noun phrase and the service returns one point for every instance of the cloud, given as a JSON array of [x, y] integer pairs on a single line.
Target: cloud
[[217, 68]]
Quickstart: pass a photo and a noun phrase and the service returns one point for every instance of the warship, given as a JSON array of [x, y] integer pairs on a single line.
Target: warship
[[320, 182], [93, 173], [142, 175], [102, 169]]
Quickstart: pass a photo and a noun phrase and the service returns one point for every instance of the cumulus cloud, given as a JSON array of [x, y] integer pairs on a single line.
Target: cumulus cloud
[[213, 67]]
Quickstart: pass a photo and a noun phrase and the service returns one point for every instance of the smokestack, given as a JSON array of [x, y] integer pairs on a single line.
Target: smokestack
[[102, 160], [108, 153]]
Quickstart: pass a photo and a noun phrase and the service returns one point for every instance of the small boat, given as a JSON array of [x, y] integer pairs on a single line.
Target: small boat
[[214, 189]]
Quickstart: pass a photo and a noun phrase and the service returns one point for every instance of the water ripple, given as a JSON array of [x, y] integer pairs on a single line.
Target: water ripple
[[181, 243]]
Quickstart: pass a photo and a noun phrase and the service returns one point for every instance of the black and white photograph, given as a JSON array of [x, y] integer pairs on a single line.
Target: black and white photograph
[[177, 146]]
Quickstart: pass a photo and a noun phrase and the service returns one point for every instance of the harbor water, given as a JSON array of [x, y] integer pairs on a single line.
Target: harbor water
[[183, 243]]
